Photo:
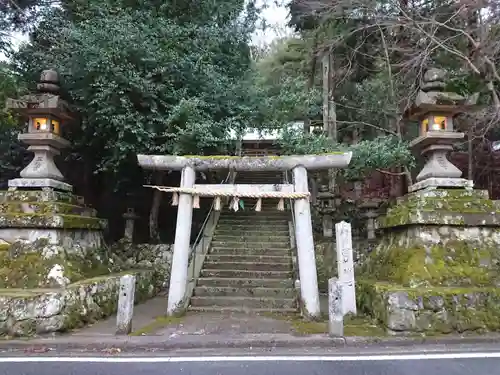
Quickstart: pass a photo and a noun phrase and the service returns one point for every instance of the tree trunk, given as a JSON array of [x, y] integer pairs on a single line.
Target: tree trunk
[[154, 234], [310, 81], [329, 113], [470, 171]]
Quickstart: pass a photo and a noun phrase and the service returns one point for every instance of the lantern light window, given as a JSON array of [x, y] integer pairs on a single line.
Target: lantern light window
[[46, 125], [439, 123]]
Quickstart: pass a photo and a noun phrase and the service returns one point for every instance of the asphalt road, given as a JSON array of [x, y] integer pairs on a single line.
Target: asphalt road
[[425, 364]]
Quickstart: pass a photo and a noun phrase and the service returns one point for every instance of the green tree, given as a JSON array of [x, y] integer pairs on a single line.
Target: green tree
[[10, 149], [145, 79]]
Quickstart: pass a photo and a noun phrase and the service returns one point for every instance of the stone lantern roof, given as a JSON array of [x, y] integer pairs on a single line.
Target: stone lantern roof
[[46, 101], [432, 97]]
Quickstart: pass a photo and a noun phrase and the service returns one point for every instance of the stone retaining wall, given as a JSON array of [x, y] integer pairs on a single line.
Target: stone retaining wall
[[36, 311], [438, 310]]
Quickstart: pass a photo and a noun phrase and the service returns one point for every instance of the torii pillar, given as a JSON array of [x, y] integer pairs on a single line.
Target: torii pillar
[[302, 210]]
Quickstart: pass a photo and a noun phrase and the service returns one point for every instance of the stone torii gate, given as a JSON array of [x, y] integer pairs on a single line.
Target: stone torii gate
[[299, 191]]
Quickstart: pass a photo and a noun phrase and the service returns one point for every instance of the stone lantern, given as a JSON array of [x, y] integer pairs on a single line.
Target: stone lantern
[[46, 114], [435, 110]]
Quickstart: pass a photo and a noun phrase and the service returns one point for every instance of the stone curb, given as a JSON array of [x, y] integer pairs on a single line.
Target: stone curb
[[97, 343]]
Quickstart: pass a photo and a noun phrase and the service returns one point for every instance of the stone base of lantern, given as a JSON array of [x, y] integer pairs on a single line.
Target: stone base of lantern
[[59, 218], [38, 183], [436, 183], [436, 266]]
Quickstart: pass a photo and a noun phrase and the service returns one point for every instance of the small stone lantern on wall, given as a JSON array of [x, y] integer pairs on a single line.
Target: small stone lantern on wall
[[435, 110], [46, 113]]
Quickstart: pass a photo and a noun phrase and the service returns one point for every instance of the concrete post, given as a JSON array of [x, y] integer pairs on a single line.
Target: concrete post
[[335, 313], [125, 305], [180, 258], [345, 266], [305, 247]]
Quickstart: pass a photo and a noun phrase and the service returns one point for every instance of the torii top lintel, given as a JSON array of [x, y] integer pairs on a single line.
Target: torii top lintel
[[245, 163]]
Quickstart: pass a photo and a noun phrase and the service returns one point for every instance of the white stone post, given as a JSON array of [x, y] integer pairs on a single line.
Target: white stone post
[[345, 266], [180, 258], [305, 247], [335, 313], [125, 305]]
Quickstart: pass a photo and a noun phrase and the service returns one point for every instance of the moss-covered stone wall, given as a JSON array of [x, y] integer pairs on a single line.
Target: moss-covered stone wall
[[39, 264], [59, 216], [436, 268], [326, 258], [443, 207], [455, 263], [43, 288], [433, 311], [26, 312]]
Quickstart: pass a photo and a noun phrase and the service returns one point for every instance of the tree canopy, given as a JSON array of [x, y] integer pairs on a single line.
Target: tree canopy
[[178, 77], [146, 76]]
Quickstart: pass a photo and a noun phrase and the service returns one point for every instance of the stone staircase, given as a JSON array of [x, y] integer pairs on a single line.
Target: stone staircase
[[249, 265]]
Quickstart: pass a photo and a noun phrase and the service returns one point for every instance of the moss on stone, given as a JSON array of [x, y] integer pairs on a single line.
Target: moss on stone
[[20, 268], [440, 310], [43, 208], [232, 157], [72, 318], [326, 266], [23, 220], [456, 263], [157, 324], [353, 325], [436, 269], [24, 293], [444, 206], [38, 196], [103, 277]]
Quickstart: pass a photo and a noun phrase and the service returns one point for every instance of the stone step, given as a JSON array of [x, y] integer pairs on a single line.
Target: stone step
[[253, 214], [248, 302], [248, 266], [249, 251], [251, 245], [241, 274], [251, 227], [271, 214], [285, 259], [245, 283], [259, 180], [236, 309], [202, 291], [267, 210], [278, 237], [254, 223], [251, 178], [252, 232]]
